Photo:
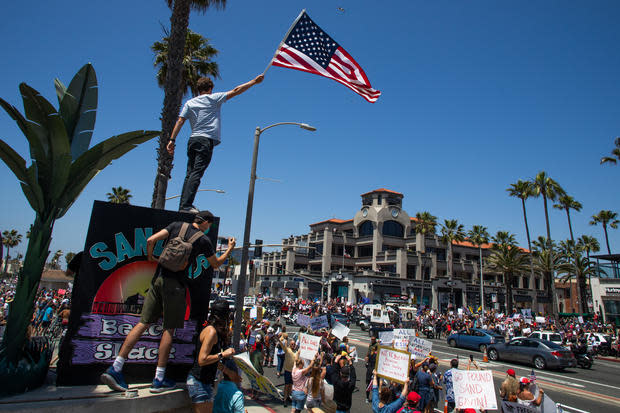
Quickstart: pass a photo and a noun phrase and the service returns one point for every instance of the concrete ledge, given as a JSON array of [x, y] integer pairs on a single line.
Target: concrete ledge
[[90, 399]]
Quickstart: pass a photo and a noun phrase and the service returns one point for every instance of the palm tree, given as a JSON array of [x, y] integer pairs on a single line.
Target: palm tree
[[196, 61], [54, 264], [426, 223], [508, 260], [568, 251], [606, 217], [588, 244], [173, 92], [548, 189], [567, 202], [523, 190], [581, 268], [451, 231], [62, 165], [69, 256], [119, 195], [10, 239], [615, 154], [478, 236]]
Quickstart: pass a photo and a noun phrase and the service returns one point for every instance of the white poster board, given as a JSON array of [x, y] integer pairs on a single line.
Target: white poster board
[[308, 346], [253, 312], [340, 330], [318, 323], [402, 337], [540, 320], [380, 316], [386, 337], [419, 347], [474, 389], [580, 318], [249, 301], [393, 364]]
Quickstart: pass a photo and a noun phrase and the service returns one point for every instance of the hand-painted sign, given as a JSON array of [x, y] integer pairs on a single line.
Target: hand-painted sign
[[308, 346], [393, 364], [303, 320], [474, 389], [258, 382], [109, 291], [419, 347], [340, 330], [318, 323], [249, 301]]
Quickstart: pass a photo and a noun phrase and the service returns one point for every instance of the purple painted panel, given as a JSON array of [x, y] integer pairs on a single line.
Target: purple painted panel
[[107, 326], [89, 351]]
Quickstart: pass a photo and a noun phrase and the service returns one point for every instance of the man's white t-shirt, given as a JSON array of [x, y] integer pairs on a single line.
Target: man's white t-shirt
[[204, 115]]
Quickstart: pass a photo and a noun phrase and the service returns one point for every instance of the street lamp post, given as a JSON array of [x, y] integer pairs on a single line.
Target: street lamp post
[[240, 290], [219, 191]]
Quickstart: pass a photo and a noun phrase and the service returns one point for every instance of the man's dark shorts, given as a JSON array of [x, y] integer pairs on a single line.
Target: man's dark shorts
[[288, 377], [167, 296]]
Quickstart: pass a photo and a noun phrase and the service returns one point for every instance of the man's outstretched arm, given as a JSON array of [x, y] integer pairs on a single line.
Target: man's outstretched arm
[[242, 88]]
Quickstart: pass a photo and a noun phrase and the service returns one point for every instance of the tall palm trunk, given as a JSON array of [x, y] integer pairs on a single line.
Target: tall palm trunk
[[606, 238], [179, 22], [581, 282], [6, 260], [529, 246], [508, 292], [22, 307], [550, 276]]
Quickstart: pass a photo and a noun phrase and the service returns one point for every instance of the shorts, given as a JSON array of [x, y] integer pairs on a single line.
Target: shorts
[[288, 377], [198, 391], [298, 400], [167, 296]]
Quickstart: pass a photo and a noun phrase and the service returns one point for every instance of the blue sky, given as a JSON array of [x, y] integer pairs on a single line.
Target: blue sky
[[476, 95]]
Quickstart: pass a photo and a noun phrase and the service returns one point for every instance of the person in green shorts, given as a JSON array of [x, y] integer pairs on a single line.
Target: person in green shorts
[[165, 297]]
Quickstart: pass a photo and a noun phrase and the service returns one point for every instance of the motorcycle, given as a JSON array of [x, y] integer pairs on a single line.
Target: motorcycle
[[430, 332], [584, 360]]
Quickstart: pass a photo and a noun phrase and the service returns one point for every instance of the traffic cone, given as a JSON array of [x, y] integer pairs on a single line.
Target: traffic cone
[[417, 333], [445, 407], [485, 358]]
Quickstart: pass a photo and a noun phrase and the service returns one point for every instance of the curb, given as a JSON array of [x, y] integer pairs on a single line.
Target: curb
[[615, 360]]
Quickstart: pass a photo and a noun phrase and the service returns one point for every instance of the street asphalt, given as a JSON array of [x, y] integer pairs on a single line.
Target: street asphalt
[[594, 390]]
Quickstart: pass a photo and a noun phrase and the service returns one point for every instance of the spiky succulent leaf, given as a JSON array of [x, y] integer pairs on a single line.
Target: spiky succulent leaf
[[36, 149], [39, 110], [61, 90], [78, 109], [91, 162]]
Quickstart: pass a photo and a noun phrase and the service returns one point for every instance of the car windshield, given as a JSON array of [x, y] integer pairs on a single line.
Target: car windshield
[[555, 337]]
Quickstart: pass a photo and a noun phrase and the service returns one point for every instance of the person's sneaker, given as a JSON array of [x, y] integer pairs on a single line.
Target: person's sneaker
[[159, 386], [114, 379], [191, 210]]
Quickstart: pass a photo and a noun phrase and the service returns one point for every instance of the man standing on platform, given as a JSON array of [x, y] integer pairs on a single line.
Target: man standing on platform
[[204, 114], [166, 297]]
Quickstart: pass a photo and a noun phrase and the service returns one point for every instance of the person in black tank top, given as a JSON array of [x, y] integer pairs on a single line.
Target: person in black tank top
[[212, 345]]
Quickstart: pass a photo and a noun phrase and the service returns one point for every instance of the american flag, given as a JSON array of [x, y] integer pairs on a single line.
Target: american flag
[[309, 49]]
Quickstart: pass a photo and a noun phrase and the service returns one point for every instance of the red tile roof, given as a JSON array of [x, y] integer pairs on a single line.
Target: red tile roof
[[382, 190], [333, 221], [484, 246]]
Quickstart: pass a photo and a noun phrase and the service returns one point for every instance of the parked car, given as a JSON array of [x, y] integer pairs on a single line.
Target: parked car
[[475, 338], [552, 336], [542, 354], [599, 343]]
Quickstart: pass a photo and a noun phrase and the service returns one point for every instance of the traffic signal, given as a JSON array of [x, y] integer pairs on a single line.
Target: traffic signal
[[251, 265], [258, 251]]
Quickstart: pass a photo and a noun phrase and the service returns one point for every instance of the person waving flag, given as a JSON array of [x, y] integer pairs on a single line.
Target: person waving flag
[[308, 48]]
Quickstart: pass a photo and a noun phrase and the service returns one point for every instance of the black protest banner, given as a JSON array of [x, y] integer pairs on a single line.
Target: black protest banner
[[109, 291]]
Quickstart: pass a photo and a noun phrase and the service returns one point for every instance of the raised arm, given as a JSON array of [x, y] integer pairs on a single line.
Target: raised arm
[[242, 88], [216, 261]]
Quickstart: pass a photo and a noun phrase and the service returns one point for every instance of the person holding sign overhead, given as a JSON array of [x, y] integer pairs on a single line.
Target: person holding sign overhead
[[300, 384], [381, 397]]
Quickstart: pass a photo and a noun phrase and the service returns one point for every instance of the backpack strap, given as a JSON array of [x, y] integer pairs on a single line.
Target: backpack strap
[[183, 230], [195, 237]]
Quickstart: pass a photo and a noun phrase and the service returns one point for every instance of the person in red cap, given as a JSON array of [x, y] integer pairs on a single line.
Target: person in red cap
[[411, 405], [510, 387], [525, 397]]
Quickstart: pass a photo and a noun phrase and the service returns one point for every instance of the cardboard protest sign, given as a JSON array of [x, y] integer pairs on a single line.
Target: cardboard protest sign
[[258, 382], [393, 364], [340, 330], [540, 320], [420, 347], [402, 337], [474, 389], [253, 312], [386, 337], [303, 320], [109, 292], [580, 319], [318, 323], [308, 346], [249, 301]]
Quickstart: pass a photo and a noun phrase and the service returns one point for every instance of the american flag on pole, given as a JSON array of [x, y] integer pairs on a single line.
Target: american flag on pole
[[308, 48]]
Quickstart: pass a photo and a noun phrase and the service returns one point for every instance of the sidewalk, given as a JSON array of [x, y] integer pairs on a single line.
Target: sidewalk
[[614, 359]]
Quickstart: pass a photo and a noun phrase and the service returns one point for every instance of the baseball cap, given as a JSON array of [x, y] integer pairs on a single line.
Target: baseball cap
[[524, 380], [413, 397], [510, 372], [204, 216]]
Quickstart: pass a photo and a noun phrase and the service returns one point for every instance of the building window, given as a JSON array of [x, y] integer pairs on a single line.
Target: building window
[[515, 282], [393, 229], [411, 269], [379, 200], [365, 229], [537, 283], [526, 282], [387, 268], [365, 251]]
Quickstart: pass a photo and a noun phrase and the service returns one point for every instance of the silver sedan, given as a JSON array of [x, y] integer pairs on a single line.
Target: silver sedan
[[542, 354]]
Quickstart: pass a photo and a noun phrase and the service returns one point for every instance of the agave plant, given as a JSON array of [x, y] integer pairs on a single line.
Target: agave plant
[[62, 165]]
